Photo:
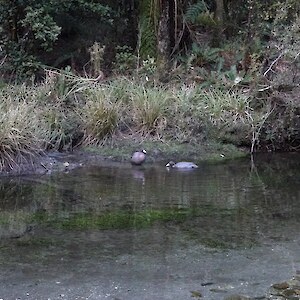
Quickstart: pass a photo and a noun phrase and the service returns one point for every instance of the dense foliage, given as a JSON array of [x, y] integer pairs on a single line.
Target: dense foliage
[[220, 35], [35, 33]]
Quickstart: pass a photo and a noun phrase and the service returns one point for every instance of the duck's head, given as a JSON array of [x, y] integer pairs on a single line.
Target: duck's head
[[170, 164]]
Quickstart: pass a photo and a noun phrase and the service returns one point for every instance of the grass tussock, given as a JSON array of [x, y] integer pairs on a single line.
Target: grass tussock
[[149, 109], [99, 116], [22, 134]]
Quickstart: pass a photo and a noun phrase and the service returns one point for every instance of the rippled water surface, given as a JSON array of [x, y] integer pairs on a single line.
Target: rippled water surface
[[120, 232]]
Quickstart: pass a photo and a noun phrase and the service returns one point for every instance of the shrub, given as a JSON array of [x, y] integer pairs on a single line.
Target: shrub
[[126, 61]]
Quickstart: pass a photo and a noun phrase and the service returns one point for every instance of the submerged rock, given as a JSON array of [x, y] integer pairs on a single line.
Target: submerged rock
[[196, 294], [236, 297], [289, 289], [286, 290]]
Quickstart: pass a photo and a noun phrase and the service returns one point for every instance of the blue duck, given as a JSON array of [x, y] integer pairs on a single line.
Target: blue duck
[[181, 165]]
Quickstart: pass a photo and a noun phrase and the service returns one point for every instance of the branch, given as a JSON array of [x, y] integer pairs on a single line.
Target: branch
[[3, 60], [274, 62]]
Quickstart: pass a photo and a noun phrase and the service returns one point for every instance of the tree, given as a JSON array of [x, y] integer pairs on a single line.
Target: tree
[[28, 28]]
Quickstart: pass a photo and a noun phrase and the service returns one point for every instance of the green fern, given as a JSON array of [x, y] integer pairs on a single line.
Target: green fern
[[195, 10], [147, 47], [148, 23]]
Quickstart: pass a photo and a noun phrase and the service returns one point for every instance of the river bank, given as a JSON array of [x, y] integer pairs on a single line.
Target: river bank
[[120, 151], [116, 117]]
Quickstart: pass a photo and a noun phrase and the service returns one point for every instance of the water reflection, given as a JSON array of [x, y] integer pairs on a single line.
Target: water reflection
[[231, 195], [149, 214], [139, 175]]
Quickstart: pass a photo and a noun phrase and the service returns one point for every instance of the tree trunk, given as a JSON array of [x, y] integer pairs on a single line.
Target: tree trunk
[[163, 34], [219, 18], [166, 36], [219, 13]]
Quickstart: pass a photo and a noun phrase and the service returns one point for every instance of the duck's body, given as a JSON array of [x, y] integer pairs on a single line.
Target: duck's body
[[138, 157], [182, 165]]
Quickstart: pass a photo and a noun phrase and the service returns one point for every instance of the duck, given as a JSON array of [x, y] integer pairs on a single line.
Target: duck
[[181, 165], [138, 157]]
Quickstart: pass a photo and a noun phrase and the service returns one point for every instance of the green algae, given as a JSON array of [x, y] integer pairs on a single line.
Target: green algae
[[125, 219], [112, 220]]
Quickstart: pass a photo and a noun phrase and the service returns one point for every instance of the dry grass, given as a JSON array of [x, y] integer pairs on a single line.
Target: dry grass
[[149, 109], [22, 136], [232, 116], [99, 116]]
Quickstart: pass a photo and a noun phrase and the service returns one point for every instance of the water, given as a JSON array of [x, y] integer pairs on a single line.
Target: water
[[120, 232]]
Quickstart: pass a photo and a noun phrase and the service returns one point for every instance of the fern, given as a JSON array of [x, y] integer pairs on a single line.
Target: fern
[[148, 23], [195, 10], [147, 47]]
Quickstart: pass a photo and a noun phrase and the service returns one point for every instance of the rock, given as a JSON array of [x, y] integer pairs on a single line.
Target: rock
[[289, 289], [280, 286], [236, 297], [196, 294]]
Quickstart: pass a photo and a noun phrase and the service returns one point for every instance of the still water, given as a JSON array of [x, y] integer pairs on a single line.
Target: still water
[[114, 231]]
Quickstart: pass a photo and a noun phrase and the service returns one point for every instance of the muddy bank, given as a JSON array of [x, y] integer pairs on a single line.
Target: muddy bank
[[54, 161]]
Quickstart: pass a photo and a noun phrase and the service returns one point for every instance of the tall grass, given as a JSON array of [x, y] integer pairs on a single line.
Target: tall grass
[[68, 110], [22, 135], [232, 116], [149, 109], [185, 122], [99, 116]]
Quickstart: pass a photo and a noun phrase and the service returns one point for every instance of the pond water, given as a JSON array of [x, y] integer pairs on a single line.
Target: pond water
[[114, 231]]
